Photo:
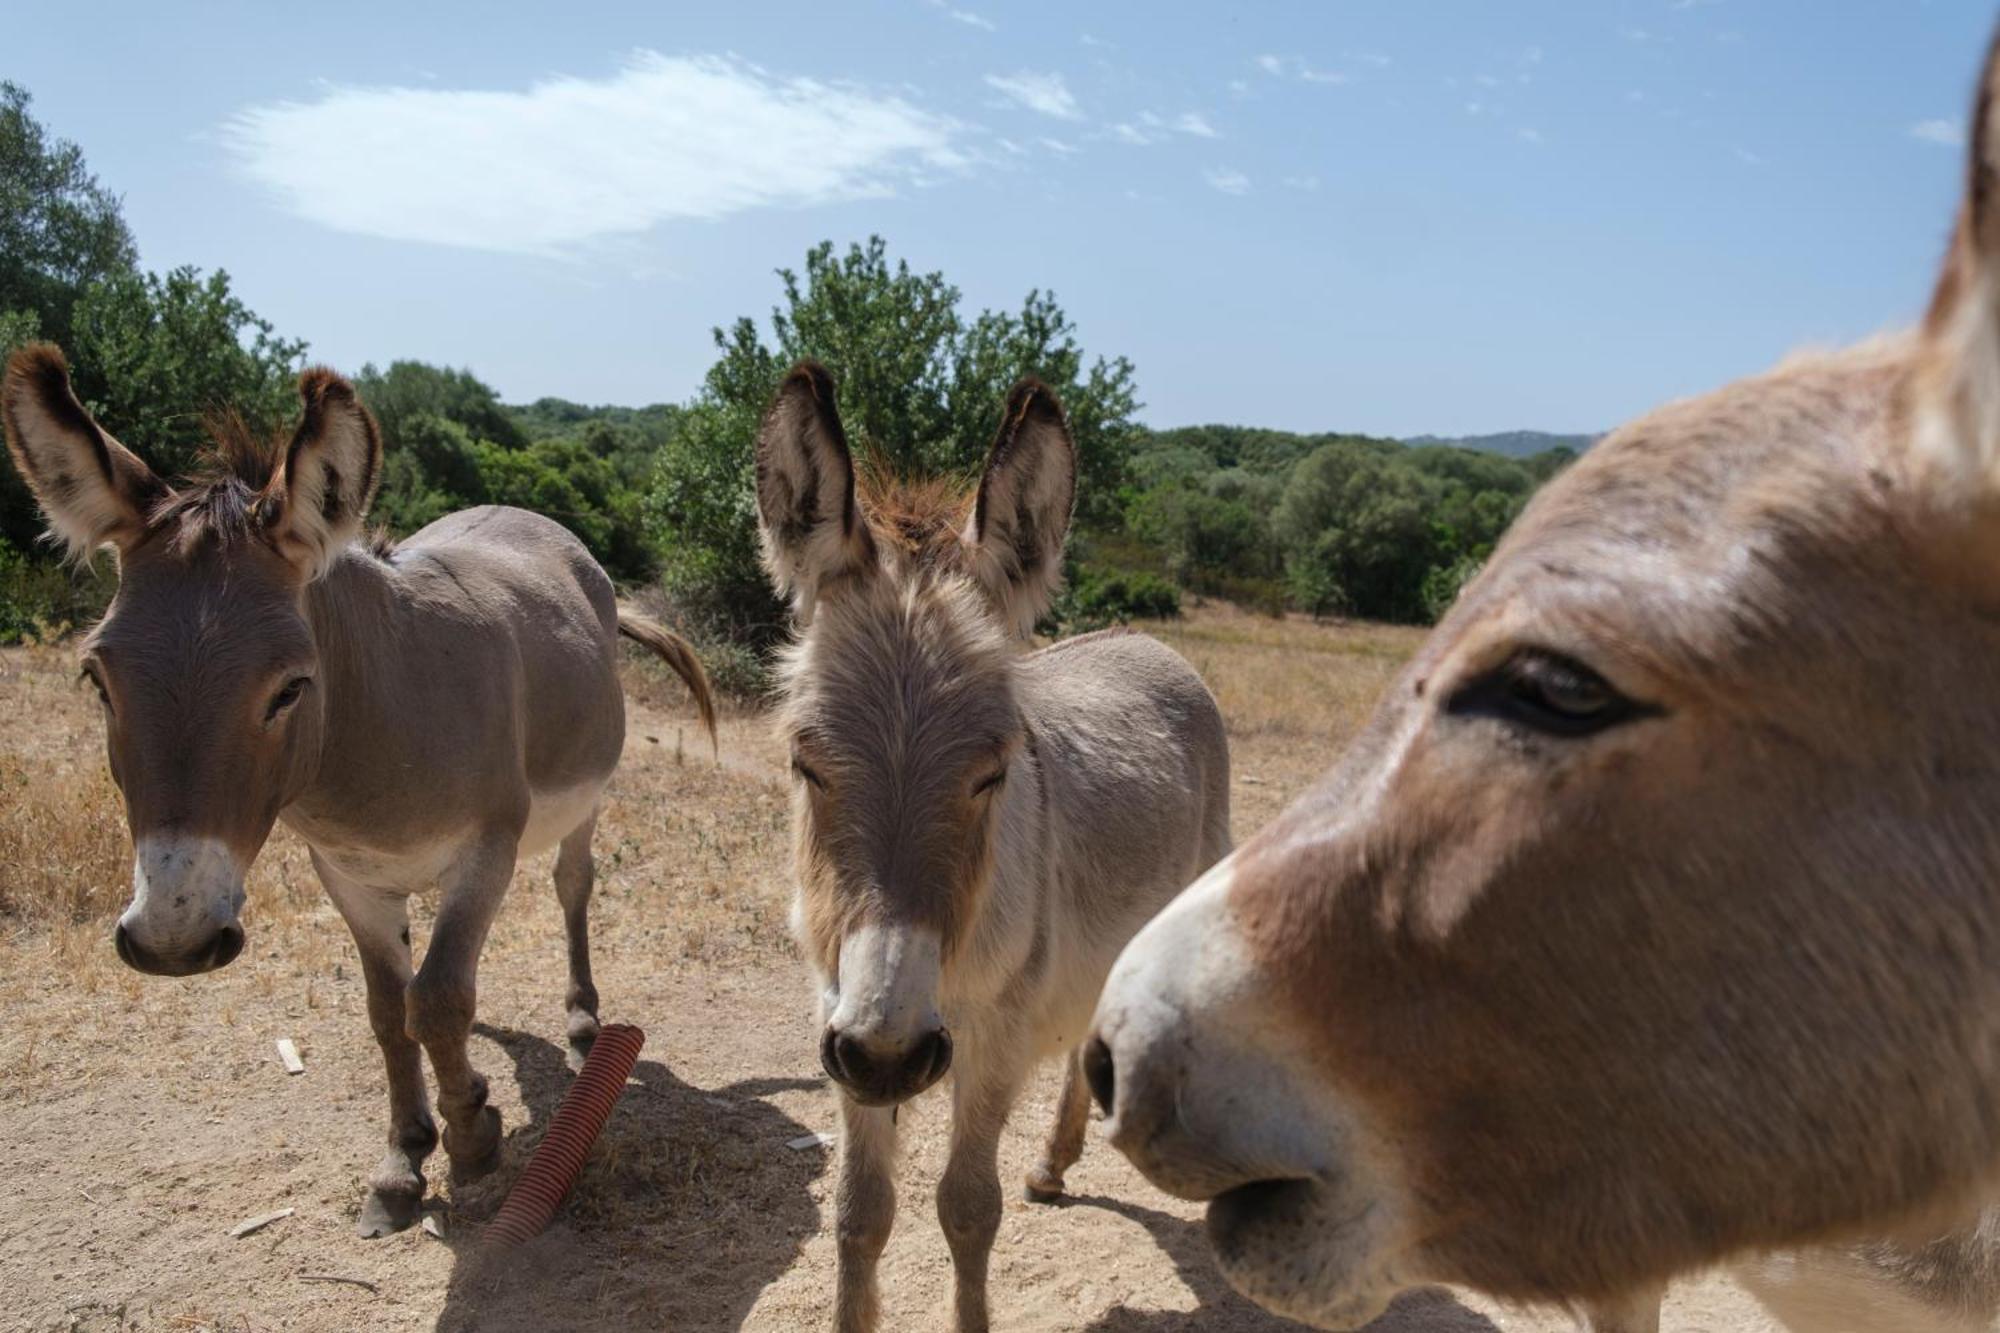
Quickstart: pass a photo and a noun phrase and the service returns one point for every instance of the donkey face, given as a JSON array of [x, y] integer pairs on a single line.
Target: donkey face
[[1654, 917], [900, 711], [205, 662]]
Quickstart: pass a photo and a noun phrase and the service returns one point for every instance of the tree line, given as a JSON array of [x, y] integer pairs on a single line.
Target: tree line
[[662, 495]]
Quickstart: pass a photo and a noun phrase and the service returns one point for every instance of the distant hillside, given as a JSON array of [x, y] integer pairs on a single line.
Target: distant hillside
[[1511, 443]]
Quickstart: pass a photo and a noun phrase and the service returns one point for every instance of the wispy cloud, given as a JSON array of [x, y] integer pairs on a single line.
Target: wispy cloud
[[1046, 93], [1375, 58], [1226, 180], [1529, 134], [1152, 128], [1292, 67], [1059, 147], [571, 160], [1747, 158], [1949, 133], [1298, 183], [965, 16]]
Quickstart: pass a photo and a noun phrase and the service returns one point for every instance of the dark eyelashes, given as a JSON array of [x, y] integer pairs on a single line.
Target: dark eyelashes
[[1548, 693]]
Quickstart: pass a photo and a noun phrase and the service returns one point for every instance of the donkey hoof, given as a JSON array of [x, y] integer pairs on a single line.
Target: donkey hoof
[[475, 1151], [579, 1048], [1043, 1186], [384, 1213]]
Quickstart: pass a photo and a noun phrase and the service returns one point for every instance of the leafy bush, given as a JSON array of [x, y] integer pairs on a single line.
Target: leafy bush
[[920, 387], [1094, 598], [41, 598]]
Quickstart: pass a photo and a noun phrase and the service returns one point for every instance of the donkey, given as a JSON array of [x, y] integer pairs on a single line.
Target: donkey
[[978, 829], [432, 711], [1654, 920]]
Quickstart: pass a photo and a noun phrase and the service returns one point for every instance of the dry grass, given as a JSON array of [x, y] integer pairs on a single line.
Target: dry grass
[[694, 835]]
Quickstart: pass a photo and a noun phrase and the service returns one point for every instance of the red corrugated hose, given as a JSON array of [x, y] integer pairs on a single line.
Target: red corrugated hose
[[558, 1160]]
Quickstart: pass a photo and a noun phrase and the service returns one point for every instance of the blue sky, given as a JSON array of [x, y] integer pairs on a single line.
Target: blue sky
[[1392, 216]]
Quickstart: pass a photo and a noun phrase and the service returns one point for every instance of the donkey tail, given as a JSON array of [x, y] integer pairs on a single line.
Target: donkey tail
[[677, 653]]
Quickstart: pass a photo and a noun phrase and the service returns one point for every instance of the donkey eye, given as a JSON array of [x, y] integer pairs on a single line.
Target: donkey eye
[[1549, 693], [97, 683], [800, 770], [287, 696], [991, 783]]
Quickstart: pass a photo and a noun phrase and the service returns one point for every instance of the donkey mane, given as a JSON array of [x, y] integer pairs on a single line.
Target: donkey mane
[[920, 517], [218, 501], [221, 500]]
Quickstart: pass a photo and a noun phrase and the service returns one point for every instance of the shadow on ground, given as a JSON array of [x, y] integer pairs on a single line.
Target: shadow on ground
[[689, 1207], [1223, 1311]]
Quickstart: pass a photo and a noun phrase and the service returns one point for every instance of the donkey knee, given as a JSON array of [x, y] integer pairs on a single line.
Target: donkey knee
[[437, 1012], [969, 1207]]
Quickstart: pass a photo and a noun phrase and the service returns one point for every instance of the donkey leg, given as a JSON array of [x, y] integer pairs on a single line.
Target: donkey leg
[[576, 872], [380, 923], [442, 998], [1636, 1313], [1045, 1182], [969, 1195], [864, 1209]]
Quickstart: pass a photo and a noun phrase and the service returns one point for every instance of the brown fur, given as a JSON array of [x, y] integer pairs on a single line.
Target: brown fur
[[977, 828], [426, 719], [1592, 1009]]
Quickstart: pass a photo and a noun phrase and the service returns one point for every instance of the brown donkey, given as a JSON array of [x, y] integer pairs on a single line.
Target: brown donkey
[[979, 828], [429, 713], [1655, 918]]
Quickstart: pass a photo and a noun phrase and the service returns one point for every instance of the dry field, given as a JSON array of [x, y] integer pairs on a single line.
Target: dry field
[[143, 1118]]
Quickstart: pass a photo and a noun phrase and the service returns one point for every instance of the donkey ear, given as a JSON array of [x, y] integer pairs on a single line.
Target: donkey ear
[[812, 531], [314, 505], [1019, 525], [1959, 428], [93, 489]]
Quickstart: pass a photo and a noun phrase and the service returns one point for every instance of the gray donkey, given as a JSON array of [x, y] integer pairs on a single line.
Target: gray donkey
[[427, 713], [979, 828]]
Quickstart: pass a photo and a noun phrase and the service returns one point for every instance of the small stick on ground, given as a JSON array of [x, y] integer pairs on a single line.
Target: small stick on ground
[[258, 1223], [373, 1290]]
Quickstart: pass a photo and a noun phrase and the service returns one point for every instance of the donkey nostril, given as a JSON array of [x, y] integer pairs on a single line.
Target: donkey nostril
[[121, 939], [228, 944], [1098, 1073], [935, 1055]]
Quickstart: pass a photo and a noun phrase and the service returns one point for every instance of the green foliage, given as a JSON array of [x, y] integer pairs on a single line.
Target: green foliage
[[409, 389], [41, 599], [449, 442], [60, 231], [921, 390], [1094, 598], [151, 355]]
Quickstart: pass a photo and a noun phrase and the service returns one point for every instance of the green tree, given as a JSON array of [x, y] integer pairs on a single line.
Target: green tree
[[411, 389], [1359, 533], [920, 392], [153, 355], [60, 231]]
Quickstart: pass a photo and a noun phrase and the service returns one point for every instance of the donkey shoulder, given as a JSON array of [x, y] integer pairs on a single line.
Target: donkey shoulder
[[1123, 685]]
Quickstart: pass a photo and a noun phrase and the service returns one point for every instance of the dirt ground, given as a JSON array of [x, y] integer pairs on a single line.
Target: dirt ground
[[143, 1118]]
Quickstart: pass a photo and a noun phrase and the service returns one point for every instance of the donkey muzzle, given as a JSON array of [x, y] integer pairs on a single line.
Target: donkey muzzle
[[884, 1074], [187, 892], [220, 950]]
